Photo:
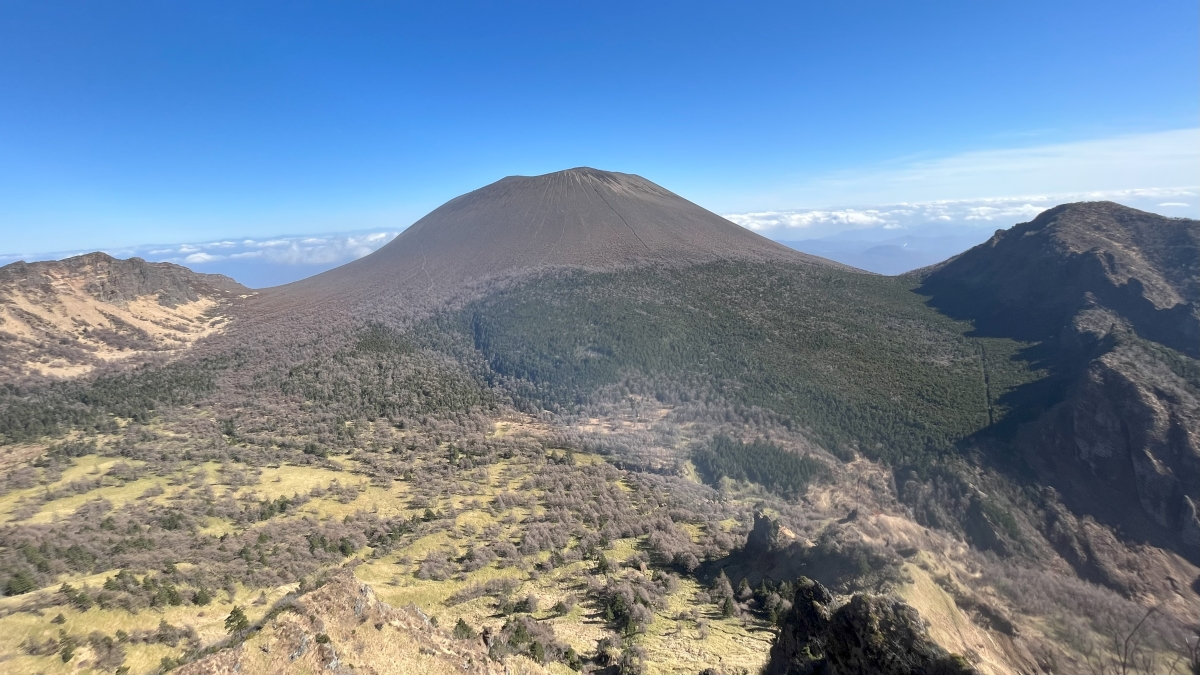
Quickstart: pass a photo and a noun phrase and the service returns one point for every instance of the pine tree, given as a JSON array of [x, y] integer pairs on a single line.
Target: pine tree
[[463, 630], [202, 597], [729, 609], [236, 622], [721, 588]]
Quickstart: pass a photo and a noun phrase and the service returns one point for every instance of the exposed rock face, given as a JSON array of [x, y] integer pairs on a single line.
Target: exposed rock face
[[868, 635], [1132, 425], [64, 318], [1132, 410]]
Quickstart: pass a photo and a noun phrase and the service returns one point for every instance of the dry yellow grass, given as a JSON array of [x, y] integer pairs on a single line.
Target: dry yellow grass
[[20, 628], [949, 627], [672, 646], [88, 467]]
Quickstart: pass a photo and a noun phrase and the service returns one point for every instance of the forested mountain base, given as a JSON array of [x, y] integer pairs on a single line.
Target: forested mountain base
[[857, 360]]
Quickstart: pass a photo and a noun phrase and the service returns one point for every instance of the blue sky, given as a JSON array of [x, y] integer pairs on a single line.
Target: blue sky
[[124, 123]]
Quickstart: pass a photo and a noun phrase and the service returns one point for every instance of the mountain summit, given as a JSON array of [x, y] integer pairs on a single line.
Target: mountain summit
[[581, 218]]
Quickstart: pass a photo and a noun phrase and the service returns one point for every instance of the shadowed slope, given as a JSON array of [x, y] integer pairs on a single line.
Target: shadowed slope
[[1103, 288]]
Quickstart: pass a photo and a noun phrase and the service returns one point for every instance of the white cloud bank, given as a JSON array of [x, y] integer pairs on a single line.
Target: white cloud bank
[[946, 215], [307, 250], [1153, 171], [254, 262]]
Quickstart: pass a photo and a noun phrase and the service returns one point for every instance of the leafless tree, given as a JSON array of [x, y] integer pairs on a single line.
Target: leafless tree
[[1127, 655]]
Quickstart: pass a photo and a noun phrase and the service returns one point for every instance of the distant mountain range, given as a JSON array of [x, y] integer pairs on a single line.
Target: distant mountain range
[[887, 254]]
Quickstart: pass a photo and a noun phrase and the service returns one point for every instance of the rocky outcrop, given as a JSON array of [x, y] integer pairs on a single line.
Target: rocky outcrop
[[343, 628], [869, 635], [767, 535], [1127, 438], [841, 558]]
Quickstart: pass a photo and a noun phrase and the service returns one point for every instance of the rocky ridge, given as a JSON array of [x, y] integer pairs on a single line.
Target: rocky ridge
[[343, 628], [1031, 280], [65, 318]]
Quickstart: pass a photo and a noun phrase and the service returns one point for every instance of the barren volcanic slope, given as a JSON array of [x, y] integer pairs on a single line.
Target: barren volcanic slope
[[582, 218]]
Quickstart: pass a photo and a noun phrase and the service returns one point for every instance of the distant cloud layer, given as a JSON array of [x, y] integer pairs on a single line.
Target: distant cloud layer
[[318, 250], [902, 203], [948, 215]]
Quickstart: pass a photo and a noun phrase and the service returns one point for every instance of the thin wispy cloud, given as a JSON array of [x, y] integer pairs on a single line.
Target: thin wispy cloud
[[201, 258], [1120, 164]]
